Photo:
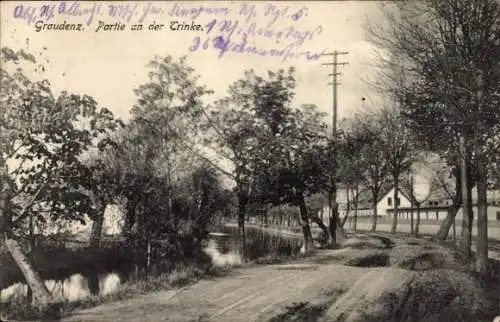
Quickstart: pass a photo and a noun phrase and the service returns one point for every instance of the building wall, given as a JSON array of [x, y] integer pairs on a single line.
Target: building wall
[[440, 214], [383, 204], [361, 212], [425, 213], [492, 212]]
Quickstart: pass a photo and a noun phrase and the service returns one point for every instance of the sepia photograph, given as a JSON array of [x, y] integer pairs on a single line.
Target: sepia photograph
[[250, 161]]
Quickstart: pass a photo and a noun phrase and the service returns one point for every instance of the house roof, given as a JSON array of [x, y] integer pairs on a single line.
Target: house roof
[[439, 194], [365, 199]]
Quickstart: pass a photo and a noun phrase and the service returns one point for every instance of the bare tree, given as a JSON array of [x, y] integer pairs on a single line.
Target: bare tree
[[448, 50], [375, 175], [398, 149]]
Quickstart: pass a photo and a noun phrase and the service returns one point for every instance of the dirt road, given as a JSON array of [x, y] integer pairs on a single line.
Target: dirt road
[[250, 294], [254, 293]]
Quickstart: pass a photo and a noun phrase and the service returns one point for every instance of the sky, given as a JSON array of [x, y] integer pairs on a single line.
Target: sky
[[108, 65]]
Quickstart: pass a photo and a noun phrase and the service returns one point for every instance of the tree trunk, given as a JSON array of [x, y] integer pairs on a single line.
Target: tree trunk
[[97, 225], [5, 206], [444, 229], [130, 215], [332, 223], [339, 229], [412, 224], [466, 238], [482, 263], [320, 224], [342, 223], [304, 222], [347, 210], [41, 294], [93, 283], [375, 210], [242, 203], [417, 226], [454, 233], [32, 233], [355, 219], [395, 218], [412, 205]]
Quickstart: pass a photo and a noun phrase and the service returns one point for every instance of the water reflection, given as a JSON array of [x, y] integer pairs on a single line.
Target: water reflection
[[259, 244], [222, 255], [222, 247], [75, 287]]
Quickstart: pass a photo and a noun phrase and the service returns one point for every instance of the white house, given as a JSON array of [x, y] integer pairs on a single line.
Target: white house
[[387, 203], [435, 207]]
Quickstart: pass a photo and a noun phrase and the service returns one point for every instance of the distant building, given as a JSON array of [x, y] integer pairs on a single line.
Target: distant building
[[112, 225], [435, 207]]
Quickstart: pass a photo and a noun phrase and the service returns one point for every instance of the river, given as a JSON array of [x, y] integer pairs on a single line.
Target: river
[[221, 246]]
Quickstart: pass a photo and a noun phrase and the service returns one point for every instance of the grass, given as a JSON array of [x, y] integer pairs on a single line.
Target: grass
[[182, 275]]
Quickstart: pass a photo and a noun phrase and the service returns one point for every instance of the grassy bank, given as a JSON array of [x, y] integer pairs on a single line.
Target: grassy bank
[[181, 275]]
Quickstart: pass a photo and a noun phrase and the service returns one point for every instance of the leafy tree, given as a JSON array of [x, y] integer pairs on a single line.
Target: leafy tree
[[164, 114], [237, 131], [232, 128], [196, 200], [296, 168], [43, 139]]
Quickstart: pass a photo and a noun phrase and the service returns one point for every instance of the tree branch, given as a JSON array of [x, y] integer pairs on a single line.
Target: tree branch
[[24, 211]]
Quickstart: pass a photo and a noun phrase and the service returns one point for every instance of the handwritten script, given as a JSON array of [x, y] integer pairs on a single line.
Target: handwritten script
[[262, 29], [275, 34]]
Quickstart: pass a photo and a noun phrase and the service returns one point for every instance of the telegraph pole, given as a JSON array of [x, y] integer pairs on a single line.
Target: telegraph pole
[[333, 189], [335, 73]]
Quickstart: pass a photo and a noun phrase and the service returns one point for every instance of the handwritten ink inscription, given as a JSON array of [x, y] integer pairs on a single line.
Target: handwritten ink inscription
[[244, 35], [262, 29], [136, 13]]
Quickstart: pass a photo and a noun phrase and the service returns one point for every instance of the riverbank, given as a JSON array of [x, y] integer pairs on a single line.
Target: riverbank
[[180, 276], [75, 294], [404, 273]]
